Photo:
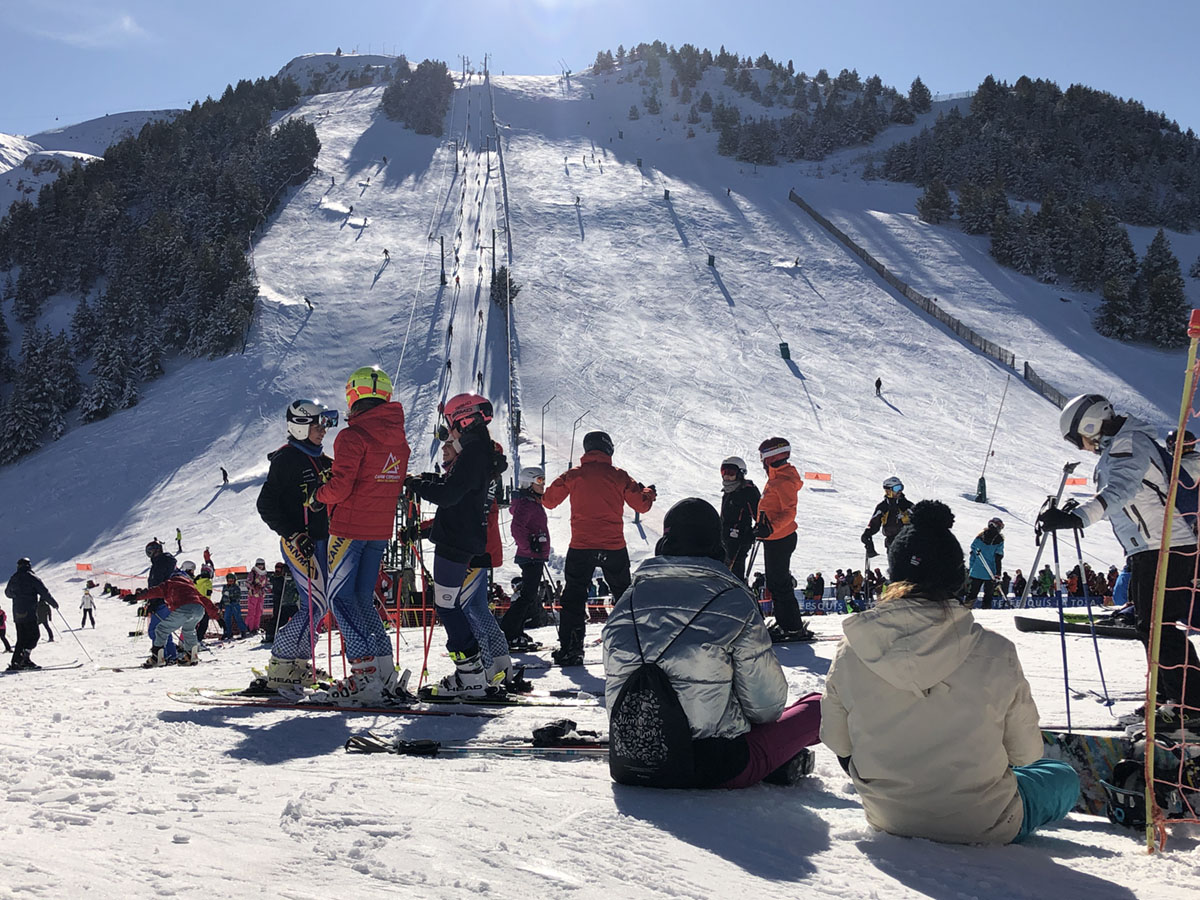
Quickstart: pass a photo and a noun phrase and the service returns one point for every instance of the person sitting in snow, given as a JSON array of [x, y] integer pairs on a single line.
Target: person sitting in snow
[[930, 714], [687, 612]]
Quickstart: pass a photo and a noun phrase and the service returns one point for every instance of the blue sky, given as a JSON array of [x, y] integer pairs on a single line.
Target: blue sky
[[64, 61]]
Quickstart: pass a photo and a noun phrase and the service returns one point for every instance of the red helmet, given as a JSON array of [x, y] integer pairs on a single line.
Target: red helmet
[[464, 410]]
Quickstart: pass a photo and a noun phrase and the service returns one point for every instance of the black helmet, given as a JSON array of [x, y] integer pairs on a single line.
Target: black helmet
[[598, 440], [24, 563], [152, 548], [1189, 441]]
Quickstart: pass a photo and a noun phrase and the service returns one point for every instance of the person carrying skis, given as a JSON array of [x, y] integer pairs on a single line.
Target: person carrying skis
[[532, 535], [187, 606], [295, 470], [459, 536], [599, 492], [1132, 478], [891, 514], [689, 614], [257, 583], [88, 605], [987, 554], [27, 592], [903, 701], [370, 462], [739, 512], [776, 529]]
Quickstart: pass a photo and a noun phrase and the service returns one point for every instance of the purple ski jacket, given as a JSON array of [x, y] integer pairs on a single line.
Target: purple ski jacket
[[529, 527]]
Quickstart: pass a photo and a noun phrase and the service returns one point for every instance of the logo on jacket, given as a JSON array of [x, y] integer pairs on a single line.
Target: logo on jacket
[[389, 471]]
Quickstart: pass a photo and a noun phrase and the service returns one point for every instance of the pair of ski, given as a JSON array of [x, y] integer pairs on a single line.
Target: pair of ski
[[73, 664], [558, 739]]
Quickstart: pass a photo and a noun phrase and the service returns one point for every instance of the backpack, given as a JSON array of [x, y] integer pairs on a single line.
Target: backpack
[[650, 738], [1187, 495]]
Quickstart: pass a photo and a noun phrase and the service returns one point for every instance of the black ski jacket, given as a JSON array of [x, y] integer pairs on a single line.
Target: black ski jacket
[[460, 525], [281, 500], [739, 512], [25, 589], [891, 514], [161, 568]]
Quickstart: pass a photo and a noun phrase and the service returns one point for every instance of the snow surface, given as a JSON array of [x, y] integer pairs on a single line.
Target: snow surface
[[116, 791]]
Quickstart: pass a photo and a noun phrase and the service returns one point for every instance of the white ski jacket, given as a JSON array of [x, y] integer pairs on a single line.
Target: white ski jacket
[[933, 711], [1132, 492]]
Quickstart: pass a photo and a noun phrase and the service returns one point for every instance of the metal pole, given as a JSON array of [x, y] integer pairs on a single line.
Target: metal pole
[[493, 254], [1067, 470], [574, 427], [1007, 381], [545, 406]]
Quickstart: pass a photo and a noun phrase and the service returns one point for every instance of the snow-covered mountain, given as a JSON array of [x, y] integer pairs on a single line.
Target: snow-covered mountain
[[621, 325], [325, 73]]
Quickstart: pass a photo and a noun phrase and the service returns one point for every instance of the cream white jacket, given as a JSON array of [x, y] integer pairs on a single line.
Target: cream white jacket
[[934, 710]]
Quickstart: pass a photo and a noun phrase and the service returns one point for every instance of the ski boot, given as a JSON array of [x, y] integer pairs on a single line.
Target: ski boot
[[499, 674], [188, 657], [523, 643], [466, 681], [794, 769], [294, 674], [372, 682], [157, 658]]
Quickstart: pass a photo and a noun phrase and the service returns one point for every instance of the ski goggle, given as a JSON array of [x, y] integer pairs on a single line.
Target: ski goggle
[[326, 418], [730, 470], [894, 488], [997, 524]]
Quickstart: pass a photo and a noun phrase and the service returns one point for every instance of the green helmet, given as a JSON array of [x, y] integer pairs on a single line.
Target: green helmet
[[369, 381]]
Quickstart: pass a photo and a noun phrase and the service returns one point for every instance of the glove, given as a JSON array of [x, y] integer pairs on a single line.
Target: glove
[[310, 498], [866, 537], [1054, 519], [651, 493], [763, 529], [53, 603], [302, 545], [411, 482]]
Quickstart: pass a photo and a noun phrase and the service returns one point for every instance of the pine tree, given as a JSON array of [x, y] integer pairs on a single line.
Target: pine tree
[[706, 102], [633, 112], [973, 210], [1160, 283], [934, 205], [1119, 313], [919, 96], [1193, 272], [693, 118], [503, 289]]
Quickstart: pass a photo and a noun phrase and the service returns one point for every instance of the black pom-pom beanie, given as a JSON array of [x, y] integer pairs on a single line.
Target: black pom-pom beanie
[[926, 553]]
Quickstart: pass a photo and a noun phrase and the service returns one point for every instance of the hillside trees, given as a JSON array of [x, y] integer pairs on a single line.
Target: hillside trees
[[935, 205], [420, 99], [180, 198]]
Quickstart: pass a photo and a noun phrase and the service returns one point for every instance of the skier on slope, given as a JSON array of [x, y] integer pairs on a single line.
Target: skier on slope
[[1132, 479], [27, 592], [891, 514], [776, 528], [532, 535], [256, 591], [87, 603], [162, 564], [459, 535], [599, 493], [187, 605], [739, 512], [370, 461], [987, 555], [295, 469]]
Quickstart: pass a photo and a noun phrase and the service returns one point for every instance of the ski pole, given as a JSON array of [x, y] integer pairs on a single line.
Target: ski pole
[[78, 641], [1068, 468], [1087, 598], [1062, 628]]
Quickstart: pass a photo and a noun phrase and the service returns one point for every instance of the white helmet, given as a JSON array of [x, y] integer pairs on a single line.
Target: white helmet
[[303, 413], [892, 483], [1084, 417], [188, 566], [529, 475], [737, 462], [260, 563]]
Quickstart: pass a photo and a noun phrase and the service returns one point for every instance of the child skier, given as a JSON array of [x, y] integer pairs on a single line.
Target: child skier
[[187, 606], [532, 536], [256, 586]]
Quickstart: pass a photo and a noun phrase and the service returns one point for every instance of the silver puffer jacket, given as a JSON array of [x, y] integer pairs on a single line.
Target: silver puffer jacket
[[722, 667]]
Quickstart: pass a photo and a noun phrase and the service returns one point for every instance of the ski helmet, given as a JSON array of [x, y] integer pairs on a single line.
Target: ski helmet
[[302, 414], [1189, 441], [773, 451], [529, 475], [598, 440], [260, 563], [893, 484], [24, 563], [206, 571], [369, 381], [152, 548], [1083, 417], [735, 463], [996, 523], [188, 566], [464, 410]]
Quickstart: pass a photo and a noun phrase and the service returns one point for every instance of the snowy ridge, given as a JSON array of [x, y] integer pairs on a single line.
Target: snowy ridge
[[621, 317], [323, 73]]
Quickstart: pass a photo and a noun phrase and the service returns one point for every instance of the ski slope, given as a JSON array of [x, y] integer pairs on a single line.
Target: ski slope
[[622, 325]]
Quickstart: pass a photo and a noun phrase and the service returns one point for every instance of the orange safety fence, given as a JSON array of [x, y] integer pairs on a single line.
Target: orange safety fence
[[1077, 481], [818, 476], [83, 567]]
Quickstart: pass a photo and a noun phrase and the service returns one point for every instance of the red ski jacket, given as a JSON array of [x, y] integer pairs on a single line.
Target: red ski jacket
[[179, 591], [598, 492], [370, 460]]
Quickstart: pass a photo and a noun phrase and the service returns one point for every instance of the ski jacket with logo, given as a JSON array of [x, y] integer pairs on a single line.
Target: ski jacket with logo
[[599, 492], [891, 514], [460, 525], [26, 591], [778, 502], [739, 512], [987, 552], [722, 667], [1132, 491], [179, 591], [933, 710], [529, 527], [370, 462], [297, 466]]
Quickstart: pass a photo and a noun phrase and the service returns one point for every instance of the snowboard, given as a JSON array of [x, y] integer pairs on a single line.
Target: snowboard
[[1029, 623], [1093, 755]]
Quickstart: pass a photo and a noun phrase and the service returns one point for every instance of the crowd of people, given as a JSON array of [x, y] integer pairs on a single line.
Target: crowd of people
[[695, 693]]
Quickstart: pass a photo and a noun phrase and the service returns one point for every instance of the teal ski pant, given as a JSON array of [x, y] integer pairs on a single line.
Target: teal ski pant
[[1049, 789]]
